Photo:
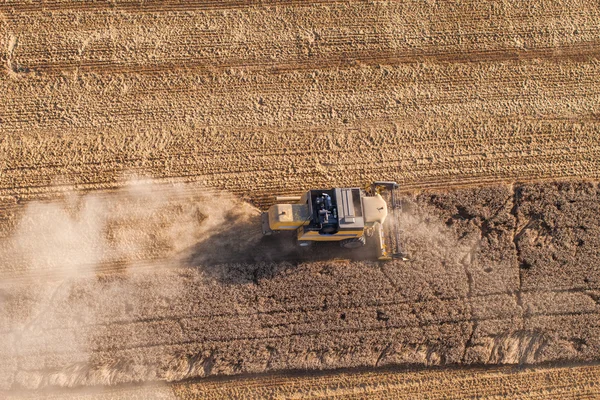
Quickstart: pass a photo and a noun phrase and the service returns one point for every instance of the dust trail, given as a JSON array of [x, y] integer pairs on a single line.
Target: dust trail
[[107, 245], [79, 235], [427, 239]]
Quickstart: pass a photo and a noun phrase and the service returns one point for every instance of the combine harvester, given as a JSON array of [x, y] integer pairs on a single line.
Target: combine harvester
[[344, 215]]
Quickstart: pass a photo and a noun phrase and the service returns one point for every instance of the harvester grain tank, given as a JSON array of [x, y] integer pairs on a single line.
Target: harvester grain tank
[[345, 215]]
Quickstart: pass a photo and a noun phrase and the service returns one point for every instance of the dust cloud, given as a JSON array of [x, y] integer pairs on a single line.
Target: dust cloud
[[79, 235], [108, 246], [425, 238]]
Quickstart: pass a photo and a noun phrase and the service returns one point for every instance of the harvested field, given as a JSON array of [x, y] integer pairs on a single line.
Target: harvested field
[[466, 296], [131, 131]]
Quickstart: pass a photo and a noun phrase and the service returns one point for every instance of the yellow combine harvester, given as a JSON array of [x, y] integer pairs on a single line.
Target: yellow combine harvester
[[344, 215]]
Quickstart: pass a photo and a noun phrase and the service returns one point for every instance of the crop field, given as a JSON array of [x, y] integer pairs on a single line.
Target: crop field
[[139, 141], [495, 382], [290, 95]]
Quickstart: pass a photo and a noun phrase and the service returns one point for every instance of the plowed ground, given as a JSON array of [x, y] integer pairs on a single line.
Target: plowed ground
[[170, 281]]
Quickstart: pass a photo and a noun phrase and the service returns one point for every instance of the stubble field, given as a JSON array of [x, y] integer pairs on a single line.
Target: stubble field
[[144, 284], [139, 139]]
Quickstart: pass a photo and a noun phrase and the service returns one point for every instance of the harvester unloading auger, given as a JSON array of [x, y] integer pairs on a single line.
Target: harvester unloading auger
[[344, 215]]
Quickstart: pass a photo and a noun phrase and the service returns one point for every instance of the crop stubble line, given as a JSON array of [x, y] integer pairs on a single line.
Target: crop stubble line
[[128, 116], [389, 329], [465, 390], [577, 53], [480, 388], [537, 122], [554, 151], [125, 113], [340, 307], [470, 22], [14, 119], [461, 159], [251, 141], [435, 79], [153, 6], [264, 198], [430, 77], [558, 162], [450, 87]]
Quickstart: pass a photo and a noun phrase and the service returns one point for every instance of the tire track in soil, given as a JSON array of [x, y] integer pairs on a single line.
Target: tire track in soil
[[388, 328], [152, 6], [580, 52], [333, 307]]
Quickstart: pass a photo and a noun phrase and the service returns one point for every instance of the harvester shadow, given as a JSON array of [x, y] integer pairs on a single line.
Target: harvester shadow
[[240, 253], [232, 247], [275, 248], [233, 259]]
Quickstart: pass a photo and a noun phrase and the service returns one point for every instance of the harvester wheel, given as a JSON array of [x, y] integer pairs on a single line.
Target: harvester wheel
[[353, 243]]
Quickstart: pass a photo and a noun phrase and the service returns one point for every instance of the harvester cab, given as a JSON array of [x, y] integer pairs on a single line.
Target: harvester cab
[[344, 215]]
